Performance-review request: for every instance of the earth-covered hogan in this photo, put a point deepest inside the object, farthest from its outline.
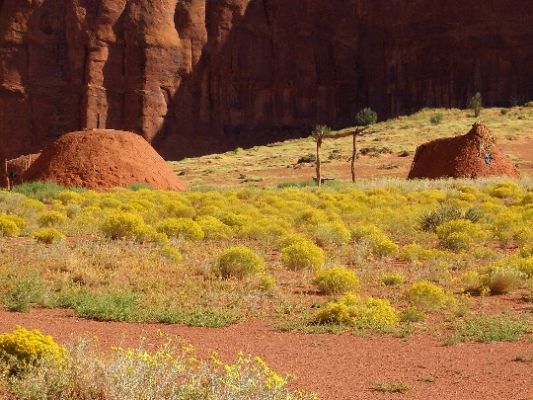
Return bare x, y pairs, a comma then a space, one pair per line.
99, 159
474, 155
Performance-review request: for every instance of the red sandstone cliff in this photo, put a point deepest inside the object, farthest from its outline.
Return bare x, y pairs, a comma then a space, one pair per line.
195, 76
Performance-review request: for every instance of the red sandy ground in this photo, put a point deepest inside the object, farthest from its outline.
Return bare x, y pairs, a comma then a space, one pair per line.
337, 367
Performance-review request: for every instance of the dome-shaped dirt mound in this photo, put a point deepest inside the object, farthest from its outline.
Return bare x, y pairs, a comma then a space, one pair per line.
102, 159
474, 155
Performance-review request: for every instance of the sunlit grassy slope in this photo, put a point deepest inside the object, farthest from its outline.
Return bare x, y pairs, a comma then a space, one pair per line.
278, 162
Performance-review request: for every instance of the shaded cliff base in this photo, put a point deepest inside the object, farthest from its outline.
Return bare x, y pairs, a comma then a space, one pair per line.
388, 151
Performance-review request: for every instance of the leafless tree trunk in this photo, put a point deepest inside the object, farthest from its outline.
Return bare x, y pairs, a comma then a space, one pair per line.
318, 164
354, 154
8, 183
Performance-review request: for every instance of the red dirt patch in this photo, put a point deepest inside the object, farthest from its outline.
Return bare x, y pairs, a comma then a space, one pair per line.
474, 155
337, 367
102, 159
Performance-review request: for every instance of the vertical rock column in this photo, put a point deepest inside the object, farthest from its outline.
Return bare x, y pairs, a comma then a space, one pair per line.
153, 61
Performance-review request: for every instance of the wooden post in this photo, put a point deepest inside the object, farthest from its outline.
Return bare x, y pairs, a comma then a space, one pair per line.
318, 165
354, 155
8, 183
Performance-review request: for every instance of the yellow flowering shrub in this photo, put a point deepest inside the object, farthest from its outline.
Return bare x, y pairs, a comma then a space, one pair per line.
214, 228
427, 296
9, 226
337, 280
47, 235
238, 262
51, 218
353, 311
302, 255
23, 348
181, 227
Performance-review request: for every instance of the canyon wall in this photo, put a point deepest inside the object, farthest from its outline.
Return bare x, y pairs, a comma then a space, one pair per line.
198, 76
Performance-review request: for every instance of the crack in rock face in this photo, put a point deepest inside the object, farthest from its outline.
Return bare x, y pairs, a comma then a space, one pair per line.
199, 76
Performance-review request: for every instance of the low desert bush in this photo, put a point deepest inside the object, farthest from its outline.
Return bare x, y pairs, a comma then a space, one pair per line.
120, 225
503, 280
47, 235
51, 218
337, 280
331, 233
459, 234
23, 349
427, 296
446, 213
488, 329
376, 241
353, 311
22, 292
238, 262
214, 228
302, 255
392, 279
181, 228
8, 226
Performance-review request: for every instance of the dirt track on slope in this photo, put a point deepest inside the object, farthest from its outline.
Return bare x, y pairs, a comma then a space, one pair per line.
337, 367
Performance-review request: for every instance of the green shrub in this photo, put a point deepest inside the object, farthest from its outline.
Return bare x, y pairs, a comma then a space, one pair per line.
23, 348
181, 227
366, 117
337, 280
427, 296
352, 311
47, 235
22, 292
302, 255
476, 104
436, 118
42, 191
446, 213
104, 306
51, 218
412, 314
504, 280
238, 262
392, 279
488, 329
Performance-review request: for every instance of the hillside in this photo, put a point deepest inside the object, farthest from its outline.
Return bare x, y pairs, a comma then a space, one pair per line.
389, 145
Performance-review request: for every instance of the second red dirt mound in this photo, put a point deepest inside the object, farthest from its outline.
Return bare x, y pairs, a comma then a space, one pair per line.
474, 155
102, 159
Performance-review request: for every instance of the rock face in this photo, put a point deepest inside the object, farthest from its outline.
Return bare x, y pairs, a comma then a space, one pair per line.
102, 159
474, 155
197, 76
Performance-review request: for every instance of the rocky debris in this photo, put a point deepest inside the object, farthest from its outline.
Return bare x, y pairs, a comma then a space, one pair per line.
474, 155
202, 76
102, 159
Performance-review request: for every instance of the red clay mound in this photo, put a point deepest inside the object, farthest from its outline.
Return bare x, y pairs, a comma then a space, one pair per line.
102, 159
15, 169
474, 155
